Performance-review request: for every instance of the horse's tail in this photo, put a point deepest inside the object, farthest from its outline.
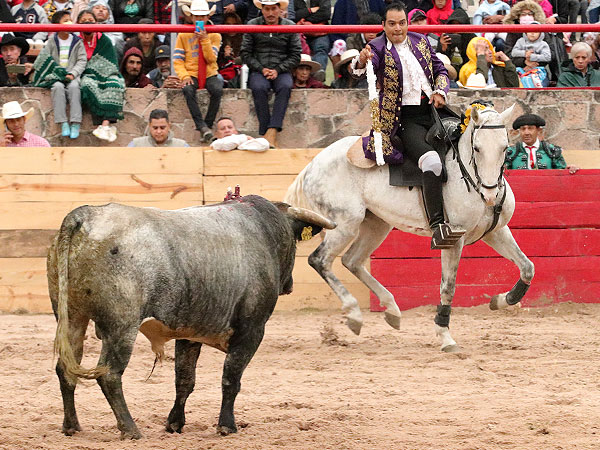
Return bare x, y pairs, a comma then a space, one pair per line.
62, 344
295, 193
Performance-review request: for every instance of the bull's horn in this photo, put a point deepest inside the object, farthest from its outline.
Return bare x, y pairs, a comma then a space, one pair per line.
312, 217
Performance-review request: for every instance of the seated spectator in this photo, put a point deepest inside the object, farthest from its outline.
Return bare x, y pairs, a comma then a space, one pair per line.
303, 74
454, 45
452, 73
531, 152
147, 42
59, 67
593, 40
131, 70
131, 11
14, 70
104, 15
343, 77
358, 41
52, 6
423, 5
547, 7
270, 58
229, 60
533, 49
483, 59
315, 12
492, 12
200, 73
13, 120
102, 86
593, 11
29, 12
159, 132
441, 11
418, 17
161, 76
228, 7
228, 138
579, 72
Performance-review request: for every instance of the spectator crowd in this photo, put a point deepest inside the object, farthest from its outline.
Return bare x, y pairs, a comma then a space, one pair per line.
93, 69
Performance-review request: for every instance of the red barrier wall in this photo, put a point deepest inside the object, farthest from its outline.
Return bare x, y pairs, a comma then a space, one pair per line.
556, 224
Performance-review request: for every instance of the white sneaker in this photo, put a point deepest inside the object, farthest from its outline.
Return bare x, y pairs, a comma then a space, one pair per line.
102, 132
112, 134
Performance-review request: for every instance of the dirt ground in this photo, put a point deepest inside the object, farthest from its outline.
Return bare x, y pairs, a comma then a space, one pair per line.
526, 379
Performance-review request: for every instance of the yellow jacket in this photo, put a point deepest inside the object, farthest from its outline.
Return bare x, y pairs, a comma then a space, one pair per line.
185, 56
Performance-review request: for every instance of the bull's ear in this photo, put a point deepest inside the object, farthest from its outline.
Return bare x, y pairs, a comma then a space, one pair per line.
304, 231
281, 206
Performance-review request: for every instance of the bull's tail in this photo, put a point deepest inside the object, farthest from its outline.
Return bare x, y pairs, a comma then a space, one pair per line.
295, 193
62, 344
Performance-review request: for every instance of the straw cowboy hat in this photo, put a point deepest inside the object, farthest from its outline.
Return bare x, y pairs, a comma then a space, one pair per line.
451, 70
306, 60
475, 81
348, 55
283, 4
13, 110
197, 8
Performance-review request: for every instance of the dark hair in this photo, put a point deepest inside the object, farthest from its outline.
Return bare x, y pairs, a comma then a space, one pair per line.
158, 114
59, 15
145, 21
84, 12
371, 18
224, 118
395, 6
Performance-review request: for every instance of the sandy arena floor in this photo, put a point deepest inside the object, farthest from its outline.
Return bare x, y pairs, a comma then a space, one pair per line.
528, 379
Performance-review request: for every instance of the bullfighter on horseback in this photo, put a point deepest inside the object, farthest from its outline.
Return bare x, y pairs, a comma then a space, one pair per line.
411, 79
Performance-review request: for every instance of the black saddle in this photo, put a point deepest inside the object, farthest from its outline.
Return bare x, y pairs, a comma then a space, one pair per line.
445, 129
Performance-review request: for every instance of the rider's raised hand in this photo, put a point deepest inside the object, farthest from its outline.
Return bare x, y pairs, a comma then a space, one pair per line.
365, 55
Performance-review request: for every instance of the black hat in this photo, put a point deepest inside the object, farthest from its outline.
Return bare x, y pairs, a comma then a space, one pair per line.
164, 51
417, 14
528, 119
11, 39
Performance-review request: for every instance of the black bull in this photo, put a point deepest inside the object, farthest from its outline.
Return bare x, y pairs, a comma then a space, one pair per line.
203, 275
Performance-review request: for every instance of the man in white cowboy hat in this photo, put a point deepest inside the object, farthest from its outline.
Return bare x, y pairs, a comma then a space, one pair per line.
303, 74
13, 50
195, 63
271, 58
12, 122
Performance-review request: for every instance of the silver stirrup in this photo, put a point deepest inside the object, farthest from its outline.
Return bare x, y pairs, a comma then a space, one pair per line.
445, 236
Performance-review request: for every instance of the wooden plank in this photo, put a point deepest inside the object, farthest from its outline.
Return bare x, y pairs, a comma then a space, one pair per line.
533, 242
556, 215
547, 173
272, 162
584, 159
574, 188
272, 187
422, 272
539, 294
100, 188
23, 272
101, 160
49, 215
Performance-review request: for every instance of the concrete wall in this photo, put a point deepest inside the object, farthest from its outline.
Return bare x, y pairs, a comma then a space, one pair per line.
316, 118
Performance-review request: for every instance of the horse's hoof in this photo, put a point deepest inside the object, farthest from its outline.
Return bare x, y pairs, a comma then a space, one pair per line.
393, 321
453, 348
498, 302
354, 325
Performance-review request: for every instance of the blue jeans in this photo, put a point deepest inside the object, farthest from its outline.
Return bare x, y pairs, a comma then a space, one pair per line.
260, 87
319, 46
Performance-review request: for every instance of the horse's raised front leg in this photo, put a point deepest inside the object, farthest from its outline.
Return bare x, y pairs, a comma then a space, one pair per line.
371, 234
504, 243
322, 259
450, 260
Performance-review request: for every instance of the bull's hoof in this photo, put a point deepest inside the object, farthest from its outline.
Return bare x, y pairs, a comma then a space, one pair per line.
131, 434
392, 320
454, 348
354, 325
71, 430
174, 427
224, 430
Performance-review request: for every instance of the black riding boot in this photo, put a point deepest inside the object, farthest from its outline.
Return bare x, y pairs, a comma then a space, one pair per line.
443, 235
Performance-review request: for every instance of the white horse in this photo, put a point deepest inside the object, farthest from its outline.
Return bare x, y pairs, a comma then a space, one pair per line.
365, 208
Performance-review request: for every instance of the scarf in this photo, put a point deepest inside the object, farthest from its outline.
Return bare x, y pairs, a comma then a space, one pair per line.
47, 71
89, 48
102, 86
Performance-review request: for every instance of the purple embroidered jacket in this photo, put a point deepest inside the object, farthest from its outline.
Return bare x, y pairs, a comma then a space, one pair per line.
388, 70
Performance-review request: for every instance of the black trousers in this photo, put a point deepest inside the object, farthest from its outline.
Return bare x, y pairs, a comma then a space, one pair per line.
416, 122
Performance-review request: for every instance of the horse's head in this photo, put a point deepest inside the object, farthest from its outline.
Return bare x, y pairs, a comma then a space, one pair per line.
488, 140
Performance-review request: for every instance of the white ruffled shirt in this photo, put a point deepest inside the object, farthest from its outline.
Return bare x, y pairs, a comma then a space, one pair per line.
240, 142
413, 77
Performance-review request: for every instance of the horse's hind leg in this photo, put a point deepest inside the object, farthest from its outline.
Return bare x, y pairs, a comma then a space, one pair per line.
450, 260
371, 234
504, 243
322, 259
